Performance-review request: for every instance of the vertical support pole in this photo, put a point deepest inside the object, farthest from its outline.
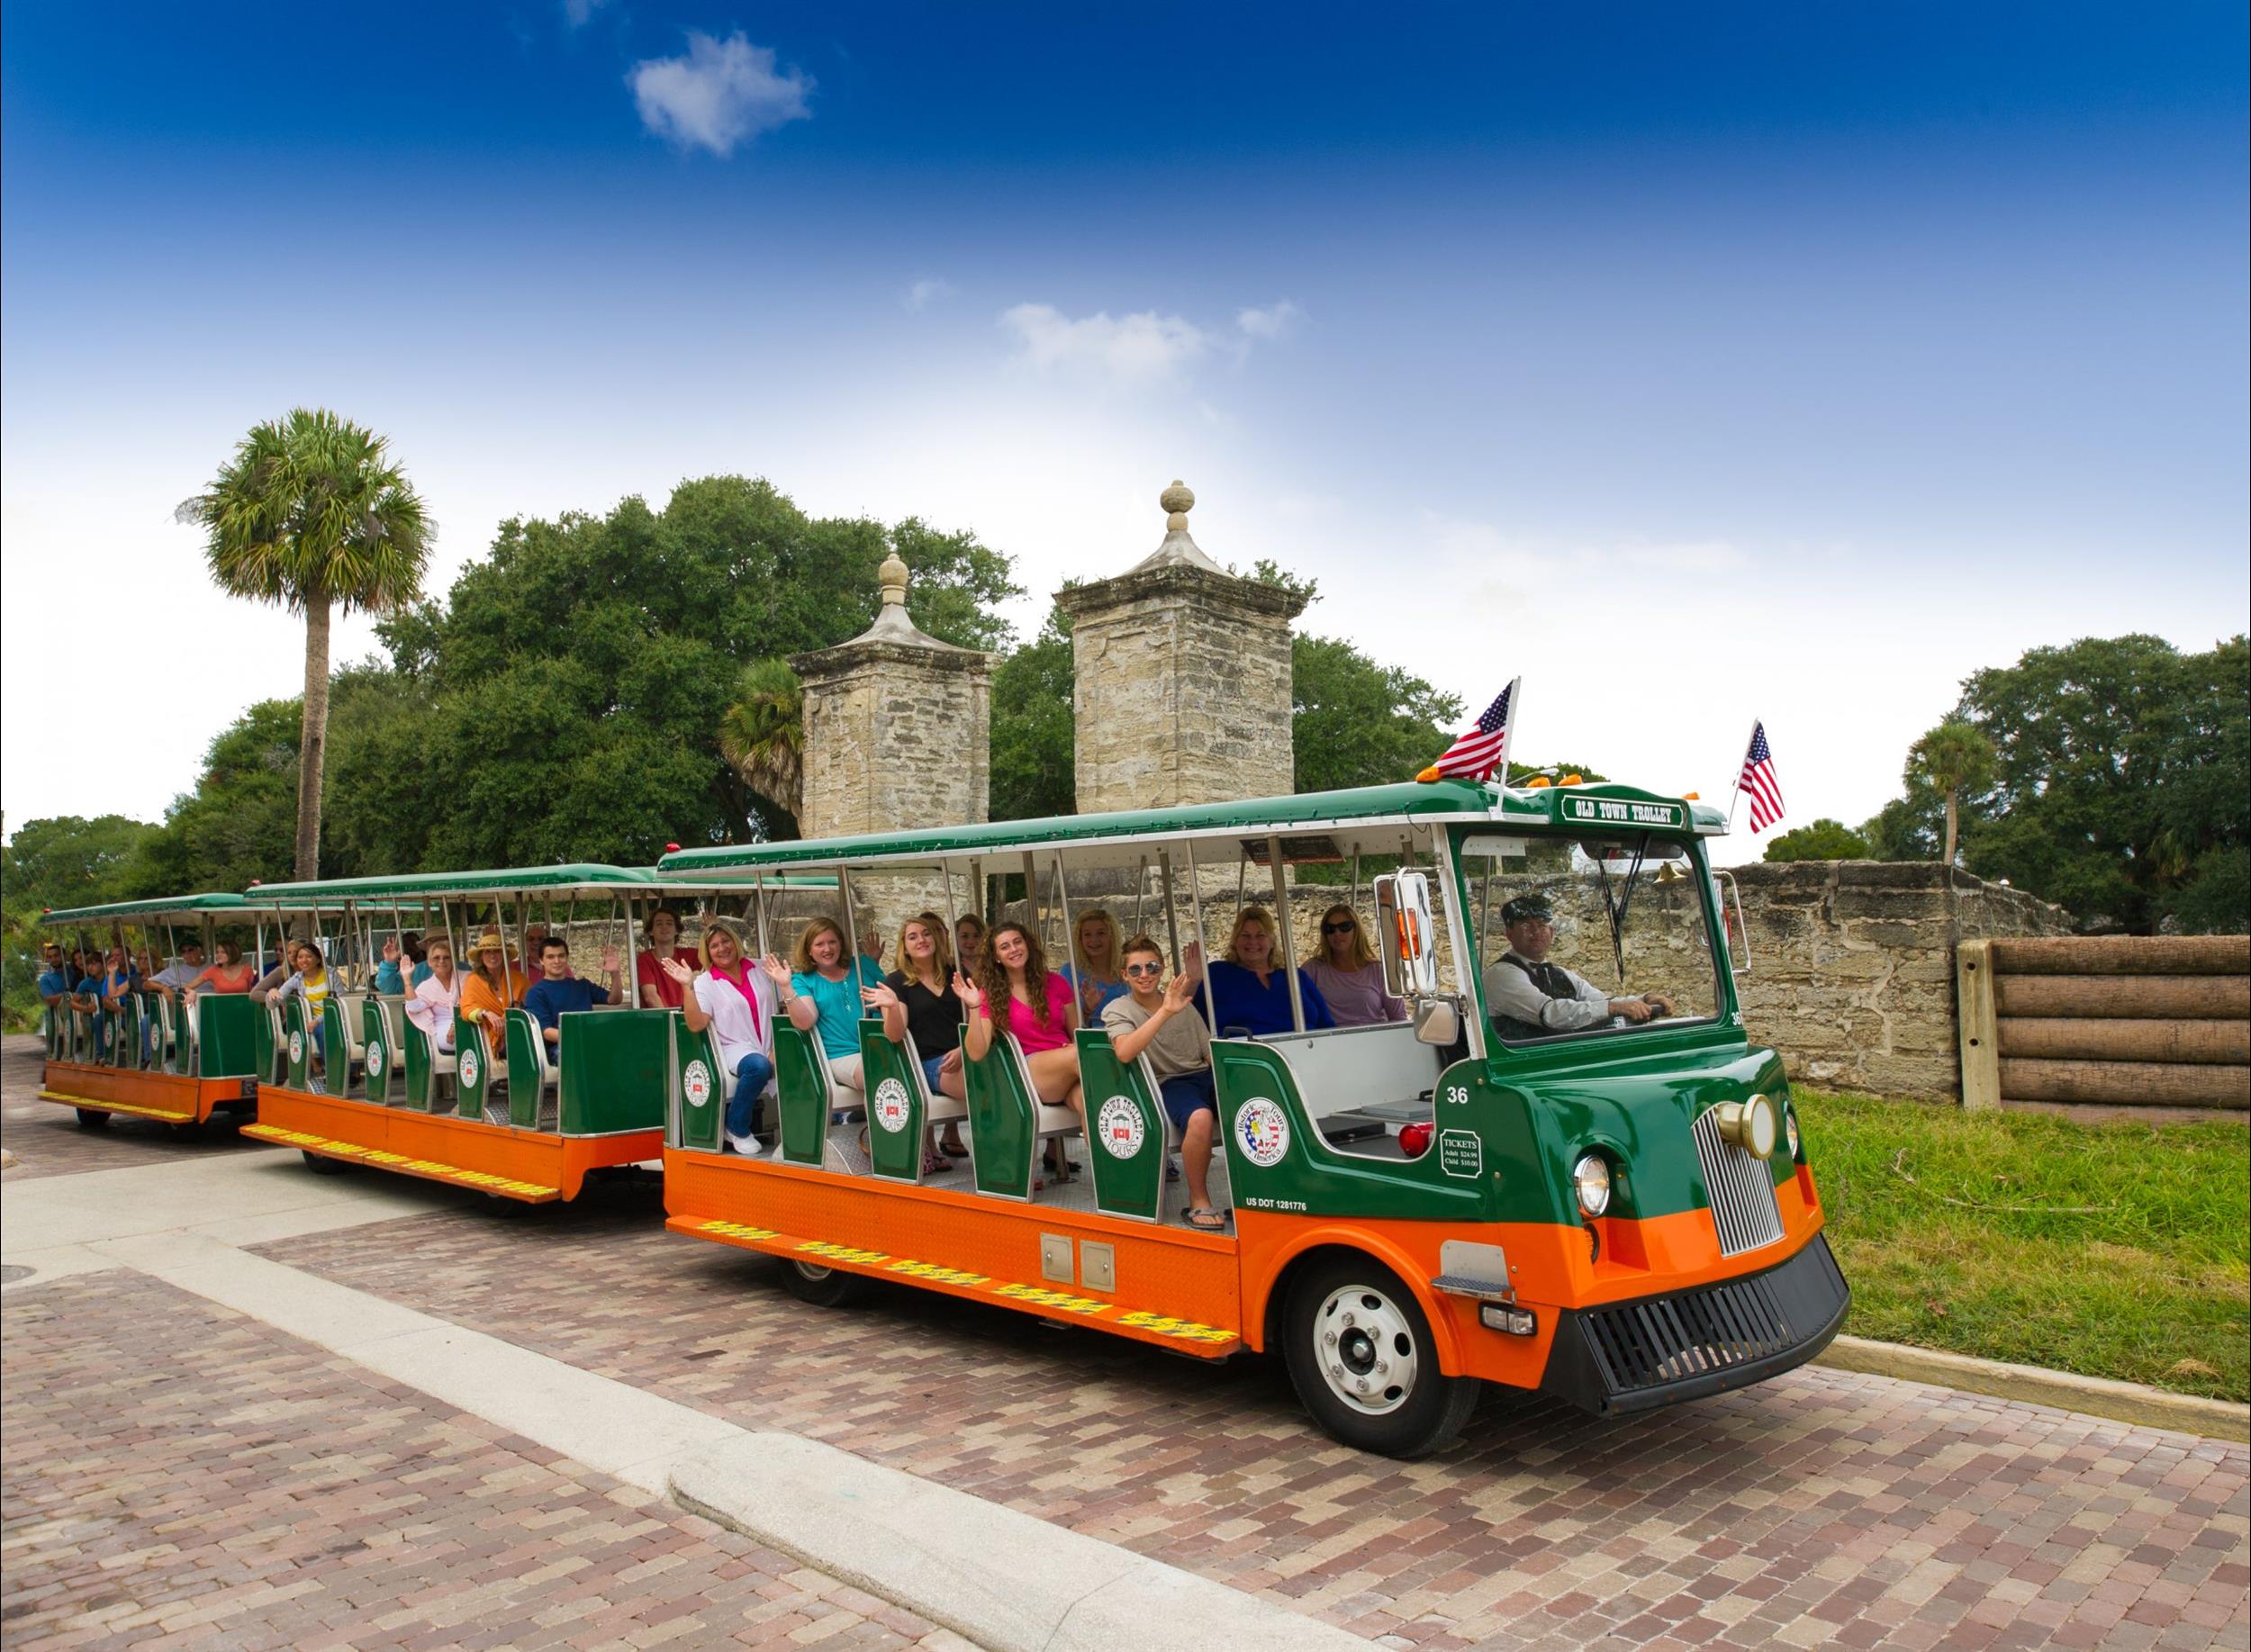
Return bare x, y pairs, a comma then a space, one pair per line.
1196, 917
1283, 926
1980, 1025
758, 896
1172, 917
1032, 893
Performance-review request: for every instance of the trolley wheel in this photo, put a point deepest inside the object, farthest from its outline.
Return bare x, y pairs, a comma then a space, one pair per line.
187, 1131
824, 1287
320, 1164
92, 1118
500, 1205
1363, 1362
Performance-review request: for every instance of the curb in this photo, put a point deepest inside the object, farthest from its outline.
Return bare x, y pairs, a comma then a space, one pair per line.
2094, 1397
1007, 1580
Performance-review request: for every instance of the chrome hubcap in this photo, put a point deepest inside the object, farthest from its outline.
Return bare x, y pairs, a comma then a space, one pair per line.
812, 1271
1366, 1350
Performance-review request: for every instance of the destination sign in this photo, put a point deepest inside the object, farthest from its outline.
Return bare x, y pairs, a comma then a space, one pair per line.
1617, 812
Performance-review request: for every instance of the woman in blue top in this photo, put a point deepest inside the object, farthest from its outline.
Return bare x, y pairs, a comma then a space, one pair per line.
823, 995
1250, 995
1093, 971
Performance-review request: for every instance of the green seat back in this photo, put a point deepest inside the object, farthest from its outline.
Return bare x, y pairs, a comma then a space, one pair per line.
227, 1041
700, 1086
1125, 1145
524, 1051
182, 1033
1002, 1122
422, 1067
898, 1103
801, 1080
335, 1046
297, 1043
473, 1068
612, 1070
375, 1040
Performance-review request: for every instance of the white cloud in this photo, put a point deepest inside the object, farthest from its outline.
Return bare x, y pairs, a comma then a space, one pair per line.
1269, 322
1134, 349
577, 13
926, 293
721, 93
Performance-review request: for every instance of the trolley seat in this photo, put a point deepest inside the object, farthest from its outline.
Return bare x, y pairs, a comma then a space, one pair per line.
1131, 1137
1007, 1121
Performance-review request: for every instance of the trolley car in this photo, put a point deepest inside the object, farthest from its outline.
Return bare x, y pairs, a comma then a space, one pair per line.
1621, 1215
154, 1056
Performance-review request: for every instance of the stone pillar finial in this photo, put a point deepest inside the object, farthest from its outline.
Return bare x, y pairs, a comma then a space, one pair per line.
892, 576
1178, 501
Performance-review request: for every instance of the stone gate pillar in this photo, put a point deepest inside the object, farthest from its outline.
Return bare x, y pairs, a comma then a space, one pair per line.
1183, 670
897, 726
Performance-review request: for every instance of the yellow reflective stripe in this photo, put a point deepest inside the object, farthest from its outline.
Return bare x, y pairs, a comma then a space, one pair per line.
431, 1168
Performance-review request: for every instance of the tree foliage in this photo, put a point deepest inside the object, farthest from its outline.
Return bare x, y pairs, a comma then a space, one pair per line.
50, 864
1824, 840
1034, 725
1356, 723
763, 733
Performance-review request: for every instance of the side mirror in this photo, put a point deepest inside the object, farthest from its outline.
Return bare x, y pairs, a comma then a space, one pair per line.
1403, 922
1437, 1022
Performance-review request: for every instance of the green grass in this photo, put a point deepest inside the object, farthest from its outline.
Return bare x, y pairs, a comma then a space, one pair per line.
2114, 1250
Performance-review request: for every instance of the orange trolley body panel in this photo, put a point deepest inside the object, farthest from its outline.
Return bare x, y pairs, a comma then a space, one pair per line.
1172, 1286
176, 1098
534, 1166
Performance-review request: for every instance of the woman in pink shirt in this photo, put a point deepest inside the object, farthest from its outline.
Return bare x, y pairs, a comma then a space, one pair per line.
1040, 1010
430, 1004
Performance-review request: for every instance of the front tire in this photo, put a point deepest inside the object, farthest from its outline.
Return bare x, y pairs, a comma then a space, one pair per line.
824, 1287
1362, 1360
92, 1118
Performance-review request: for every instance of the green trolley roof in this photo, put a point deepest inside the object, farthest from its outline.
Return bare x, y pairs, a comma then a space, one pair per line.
1413, 802
578, 876
167, 906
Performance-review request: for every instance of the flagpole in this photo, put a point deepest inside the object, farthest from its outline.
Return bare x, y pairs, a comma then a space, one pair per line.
1739, 762
1509, 729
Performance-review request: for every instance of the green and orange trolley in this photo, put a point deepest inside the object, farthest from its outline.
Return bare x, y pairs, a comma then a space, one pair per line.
1623, 1217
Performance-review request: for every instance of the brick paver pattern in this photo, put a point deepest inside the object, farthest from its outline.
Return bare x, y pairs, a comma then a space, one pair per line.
47, 1139
1821, 1506
176, 1474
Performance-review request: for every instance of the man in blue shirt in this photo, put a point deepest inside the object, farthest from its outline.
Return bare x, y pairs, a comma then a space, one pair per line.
54, 976
558, 992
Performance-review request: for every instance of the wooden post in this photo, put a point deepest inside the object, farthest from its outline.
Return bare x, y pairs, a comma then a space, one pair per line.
1980, 1034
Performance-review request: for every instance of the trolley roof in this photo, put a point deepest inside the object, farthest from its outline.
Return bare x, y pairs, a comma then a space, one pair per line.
1365, 811
577, 878
166, 906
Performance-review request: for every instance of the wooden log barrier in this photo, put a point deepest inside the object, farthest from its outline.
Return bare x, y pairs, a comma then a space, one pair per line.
2115, 1021
2128, 1084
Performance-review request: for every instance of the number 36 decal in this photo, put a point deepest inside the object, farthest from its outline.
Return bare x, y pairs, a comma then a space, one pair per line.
1456, 1095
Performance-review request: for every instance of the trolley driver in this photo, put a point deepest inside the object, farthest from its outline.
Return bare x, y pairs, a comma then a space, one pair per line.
1531, 997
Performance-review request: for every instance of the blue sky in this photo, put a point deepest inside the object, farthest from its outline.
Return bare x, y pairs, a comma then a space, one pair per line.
1693, 362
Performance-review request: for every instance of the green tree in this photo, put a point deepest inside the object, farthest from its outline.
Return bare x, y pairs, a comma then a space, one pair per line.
1356, 723
1033, 727
2215, 901
1952, 758
48, 865
310, 512
763, 733
1824, 840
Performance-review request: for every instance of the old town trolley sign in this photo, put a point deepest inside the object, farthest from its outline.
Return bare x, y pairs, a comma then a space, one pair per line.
1616, 1208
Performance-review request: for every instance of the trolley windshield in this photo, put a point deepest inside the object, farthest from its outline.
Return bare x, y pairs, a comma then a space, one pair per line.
1585, 936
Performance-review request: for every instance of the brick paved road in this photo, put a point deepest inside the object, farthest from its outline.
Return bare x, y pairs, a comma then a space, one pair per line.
178, 1474
47, 1140
1823, 1506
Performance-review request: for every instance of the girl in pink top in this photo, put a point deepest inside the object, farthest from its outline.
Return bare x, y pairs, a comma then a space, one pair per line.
1041, 1011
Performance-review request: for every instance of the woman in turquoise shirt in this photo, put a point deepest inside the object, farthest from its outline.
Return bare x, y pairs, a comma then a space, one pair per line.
823, 995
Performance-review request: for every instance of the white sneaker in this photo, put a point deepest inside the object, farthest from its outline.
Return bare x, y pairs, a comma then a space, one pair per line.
747, 1146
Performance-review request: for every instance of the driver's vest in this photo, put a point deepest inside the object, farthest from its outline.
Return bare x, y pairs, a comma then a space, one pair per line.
1551, 981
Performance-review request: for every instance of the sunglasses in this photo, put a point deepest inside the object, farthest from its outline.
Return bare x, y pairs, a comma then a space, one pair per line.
1144, 968
1345, 928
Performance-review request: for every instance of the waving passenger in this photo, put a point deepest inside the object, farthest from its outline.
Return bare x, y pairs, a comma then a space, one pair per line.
736, 1004
1037, 1008
1349, 975
308, 980
431, 1007
918, 997
1250, 995
558, 992
821, 996
1159, 1021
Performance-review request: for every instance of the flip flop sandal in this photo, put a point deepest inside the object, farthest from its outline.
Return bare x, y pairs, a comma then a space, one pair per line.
954, 1152
1204, 1219
936, 1164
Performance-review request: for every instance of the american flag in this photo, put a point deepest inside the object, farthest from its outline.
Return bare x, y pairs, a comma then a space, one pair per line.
1758, 778
1480, 750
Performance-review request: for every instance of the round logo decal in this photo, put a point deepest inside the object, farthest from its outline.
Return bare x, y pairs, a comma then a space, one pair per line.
695, 1083
375, 1057
1263, 1132
891, 1106
469, 1067
1118, 1124
296, 1046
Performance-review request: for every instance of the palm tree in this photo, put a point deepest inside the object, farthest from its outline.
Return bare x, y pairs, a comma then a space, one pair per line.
763, 733
310, 512
1952, 758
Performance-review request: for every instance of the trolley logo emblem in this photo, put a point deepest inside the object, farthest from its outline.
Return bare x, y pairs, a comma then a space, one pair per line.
1263, 1132
890, 1107
296, 1046
695, 1083
1119, 1125
467, 1066
375, 1056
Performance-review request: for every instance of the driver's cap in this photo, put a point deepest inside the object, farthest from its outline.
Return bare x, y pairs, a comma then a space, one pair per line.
1524, 907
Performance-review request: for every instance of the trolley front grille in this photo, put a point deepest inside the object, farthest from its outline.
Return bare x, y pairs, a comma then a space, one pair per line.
1739, 1188
1672, 1339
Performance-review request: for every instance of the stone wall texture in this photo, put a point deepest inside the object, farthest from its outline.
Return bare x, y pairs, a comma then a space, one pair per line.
1852, 967
1183, 690
896, 738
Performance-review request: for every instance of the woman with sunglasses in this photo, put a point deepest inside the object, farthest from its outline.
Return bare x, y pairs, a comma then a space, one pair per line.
1349, 975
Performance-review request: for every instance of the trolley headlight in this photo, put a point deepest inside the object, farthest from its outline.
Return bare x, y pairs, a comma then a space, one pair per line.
1790, 1133
1591, 1176
1750, 1125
